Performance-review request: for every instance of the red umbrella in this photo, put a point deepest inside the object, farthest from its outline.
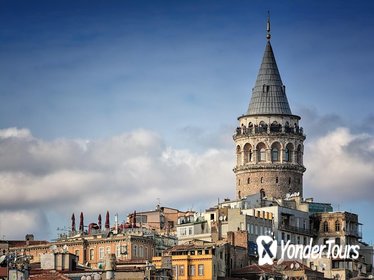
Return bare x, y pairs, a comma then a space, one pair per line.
72, 223
81, 227
107, 224
99, 219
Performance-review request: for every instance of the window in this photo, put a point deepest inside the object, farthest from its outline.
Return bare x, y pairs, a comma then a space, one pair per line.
92, 254
108, 251
337, 241
262, 154
325, 226
248, 180
141, 251
181, 270
276, 180
182, 231
201, 269
101, 253
337, 226
135, 251
247, 153
191, 270
262, 180
275, 154
146, 252
118, 250
77, 253
190, 231
286, 154
289, 180
174, 271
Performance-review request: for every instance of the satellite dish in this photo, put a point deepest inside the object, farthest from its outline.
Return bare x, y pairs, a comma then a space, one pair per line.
2, 258
221, 218
65, 248
297, 266
96, 276
292, 265
337, 276
314, 267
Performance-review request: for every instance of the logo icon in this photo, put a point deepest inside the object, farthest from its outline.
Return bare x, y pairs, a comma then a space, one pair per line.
267, 249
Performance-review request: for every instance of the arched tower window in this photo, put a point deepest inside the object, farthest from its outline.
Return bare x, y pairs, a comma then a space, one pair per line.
325, 226
299, 155
275, 127
238, 155
263, 127
287, 128
247, 153
250, 127
261, 150
288, 152
262, 193
275, 149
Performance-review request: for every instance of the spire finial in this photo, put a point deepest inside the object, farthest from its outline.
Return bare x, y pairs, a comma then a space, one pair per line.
268, 36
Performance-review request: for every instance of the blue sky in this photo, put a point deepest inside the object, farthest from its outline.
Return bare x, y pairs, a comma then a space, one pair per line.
81, 79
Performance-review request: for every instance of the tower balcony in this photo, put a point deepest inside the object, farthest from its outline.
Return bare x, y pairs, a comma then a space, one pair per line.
265, 130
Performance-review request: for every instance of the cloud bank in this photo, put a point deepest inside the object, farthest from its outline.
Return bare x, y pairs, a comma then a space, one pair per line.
43, 182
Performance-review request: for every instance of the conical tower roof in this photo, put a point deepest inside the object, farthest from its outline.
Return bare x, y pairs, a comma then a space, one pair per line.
269, 94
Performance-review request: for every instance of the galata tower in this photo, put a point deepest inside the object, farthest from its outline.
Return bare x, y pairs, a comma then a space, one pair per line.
269, 140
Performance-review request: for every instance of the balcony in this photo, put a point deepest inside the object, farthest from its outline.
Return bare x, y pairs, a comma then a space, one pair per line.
295, 229
264, 130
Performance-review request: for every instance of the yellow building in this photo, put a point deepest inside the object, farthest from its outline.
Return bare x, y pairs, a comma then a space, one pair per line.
198, 260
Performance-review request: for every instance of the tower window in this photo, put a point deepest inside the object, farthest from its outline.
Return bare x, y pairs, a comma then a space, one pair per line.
276, 180
262, 154
239, 182
289, 180
274, 154
287, 155
248, 180
262, 179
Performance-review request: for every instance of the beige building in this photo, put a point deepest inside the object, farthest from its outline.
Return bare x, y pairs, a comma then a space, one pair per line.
162, 219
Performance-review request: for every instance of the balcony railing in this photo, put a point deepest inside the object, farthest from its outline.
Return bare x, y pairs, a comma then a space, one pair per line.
295, 229
248, 131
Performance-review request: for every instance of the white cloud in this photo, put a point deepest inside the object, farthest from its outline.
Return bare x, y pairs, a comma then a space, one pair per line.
340, 166
15, 133
123, 173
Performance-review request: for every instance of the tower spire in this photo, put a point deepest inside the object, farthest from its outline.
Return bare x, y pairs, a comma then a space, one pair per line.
268, 36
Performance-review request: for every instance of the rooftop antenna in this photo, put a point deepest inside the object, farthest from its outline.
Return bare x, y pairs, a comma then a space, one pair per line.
268, 36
